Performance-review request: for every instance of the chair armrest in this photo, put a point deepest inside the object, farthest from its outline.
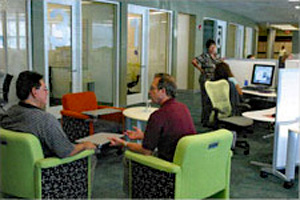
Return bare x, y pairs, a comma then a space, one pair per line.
53, 162
153, 162
244, 106
74, 114
217, 111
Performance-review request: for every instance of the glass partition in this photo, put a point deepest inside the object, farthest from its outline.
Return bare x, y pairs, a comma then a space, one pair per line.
99, 49
59, 51
134, 53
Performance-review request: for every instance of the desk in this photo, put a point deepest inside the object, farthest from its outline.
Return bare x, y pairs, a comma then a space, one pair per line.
264, 116
261, 115
141, 114
260, 94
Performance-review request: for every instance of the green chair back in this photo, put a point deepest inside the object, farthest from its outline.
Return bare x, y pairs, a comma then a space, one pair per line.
205, 164
18, 154
219, 95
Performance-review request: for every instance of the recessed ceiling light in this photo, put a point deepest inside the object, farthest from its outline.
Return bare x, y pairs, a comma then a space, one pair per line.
297, 7
294, 0
285, 27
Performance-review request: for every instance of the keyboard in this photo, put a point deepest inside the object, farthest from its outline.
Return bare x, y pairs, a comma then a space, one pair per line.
258, 89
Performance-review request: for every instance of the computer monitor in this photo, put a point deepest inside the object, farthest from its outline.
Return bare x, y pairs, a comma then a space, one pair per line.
262, 75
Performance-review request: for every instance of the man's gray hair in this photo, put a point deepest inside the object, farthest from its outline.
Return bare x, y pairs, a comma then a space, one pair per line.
168, 82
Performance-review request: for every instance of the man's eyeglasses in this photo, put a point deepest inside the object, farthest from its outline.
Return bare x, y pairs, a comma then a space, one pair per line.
45, 89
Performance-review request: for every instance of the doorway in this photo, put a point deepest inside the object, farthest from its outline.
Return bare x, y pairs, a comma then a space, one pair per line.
100, 48
185, 51
149, 45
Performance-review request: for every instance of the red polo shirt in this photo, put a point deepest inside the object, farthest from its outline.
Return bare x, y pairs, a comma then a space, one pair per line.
166, 126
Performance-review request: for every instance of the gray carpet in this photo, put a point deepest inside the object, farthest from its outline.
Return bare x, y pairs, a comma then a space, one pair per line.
245, 179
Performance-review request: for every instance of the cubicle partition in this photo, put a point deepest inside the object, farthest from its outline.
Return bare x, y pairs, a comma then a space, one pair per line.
292, 64
287, 114
242, 69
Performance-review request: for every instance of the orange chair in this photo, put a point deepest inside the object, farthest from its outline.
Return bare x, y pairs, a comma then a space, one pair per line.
77, 125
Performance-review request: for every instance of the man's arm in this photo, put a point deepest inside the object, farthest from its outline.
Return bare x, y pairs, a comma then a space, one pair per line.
82, 146
197, 65
130, 145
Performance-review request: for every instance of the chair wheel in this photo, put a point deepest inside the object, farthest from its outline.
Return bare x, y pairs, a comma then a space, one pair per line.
263, 174
246, 152
288, 185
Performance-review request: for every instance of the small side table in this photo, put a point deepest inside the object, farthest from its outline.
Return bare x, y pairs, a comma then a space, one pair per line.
140, 114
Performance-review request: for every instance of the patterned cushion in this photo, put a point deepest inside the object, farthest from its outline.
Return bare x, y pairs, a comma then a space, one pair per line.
75, 128
66, 181
151, 183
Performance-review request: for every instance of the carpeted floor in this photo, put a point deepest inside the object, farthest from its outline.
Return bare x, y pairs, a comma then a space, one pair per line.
245, 179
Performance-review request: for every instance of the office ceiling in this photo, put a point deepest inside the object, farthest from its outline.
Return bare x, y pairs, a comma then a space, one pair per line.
261, 11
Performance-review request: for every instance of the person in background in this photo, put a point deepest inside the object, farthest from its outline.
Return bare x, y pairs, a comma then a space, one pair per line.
29, 116
282, 60
222, 68
250, 56
206, 64
282, 51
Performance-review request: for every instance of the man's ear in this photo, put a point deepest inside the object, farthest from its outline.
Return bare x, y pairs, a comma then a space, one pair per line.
33, 92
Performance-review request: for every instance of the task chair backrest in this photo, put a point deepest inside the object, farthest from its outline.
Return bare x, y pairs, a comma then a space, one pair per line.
18, 154
219, 95
204, 160
7, 78
78, 102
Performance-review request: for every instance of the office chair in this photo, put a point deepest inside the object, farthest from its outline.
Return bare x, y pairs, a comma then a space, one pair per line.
133, 84
226, 109
200, 169
5, 90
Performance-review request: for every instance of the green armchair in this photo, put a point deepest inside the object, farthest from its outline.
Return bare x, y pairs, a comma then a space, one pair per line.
26, 173
200, 169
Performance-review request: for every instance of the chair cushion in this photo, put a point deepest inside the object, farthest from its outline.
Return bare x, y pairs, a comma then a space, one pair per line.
238, 121
79, 102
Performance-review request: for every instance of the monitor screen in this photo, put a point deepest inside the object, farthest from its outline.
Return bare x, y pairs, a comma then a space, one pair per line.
262, 74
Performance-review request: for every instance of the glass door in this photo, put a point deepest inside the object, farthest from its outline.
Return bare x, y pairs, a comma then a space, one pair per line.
100, 49
60, 37
137, 32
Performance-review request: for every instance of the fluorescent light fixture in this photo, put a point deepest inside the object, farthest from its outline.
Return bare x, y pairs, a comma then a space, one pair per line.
285, 27
294, 0
86, 2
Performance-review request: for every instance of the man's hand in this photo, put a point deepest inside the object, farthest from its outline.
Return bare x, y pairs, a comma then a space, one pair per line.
115, 141
135, 135
89, 145
81, 147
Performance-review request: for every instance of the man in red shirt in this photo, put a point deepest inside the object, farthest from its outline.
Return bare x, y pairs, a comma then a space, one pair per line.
165, 126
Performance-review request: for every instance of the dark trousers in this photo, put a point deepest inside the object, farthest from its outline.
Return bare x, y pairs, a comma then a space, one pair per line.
205, 102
